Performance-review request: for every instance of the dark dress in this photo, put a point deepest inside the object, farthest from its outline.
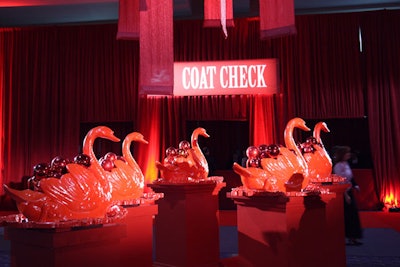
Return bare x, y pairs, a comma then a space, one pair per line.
352, 222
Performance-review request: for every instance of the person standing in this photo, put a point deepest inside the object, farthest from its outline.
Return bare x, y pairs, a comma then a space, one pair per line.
341, 167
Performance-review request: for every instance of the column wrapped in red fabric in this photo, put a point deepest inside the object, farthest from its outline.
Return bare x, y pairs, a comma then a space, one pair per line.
156, 48
218, 13
276, 18
128, 20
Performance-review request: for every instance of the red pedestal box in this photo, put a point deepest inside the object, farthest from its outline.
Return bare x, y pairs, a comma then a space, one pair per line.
186, 227
80, 247
277, 230
335, 219
136, 248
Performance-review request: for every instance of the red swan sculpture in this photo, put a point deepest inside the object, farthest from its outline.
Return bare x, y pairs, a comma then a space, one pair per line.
186, 163
82, 192
197, 155
127, 179
289, 168
318, 160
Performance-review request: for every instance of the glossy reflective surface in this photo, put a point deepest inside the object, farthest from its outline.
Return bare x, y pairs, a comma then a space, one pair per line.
88, 192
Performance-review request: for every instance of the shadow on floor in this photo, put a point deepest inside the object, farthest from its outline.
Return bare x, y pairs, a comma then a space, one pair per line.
381, 247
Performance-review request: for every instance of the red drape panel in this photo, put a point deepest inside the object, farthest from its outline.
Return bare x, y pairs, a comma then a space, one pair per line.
156, 48
276, 18
128, 20
262, 117
149, 119
218, 13
381, 42
213, 13
2, 107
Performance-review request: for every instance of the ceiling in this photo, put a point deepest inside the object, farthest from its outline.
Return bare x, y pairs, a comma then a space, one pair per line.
42, 12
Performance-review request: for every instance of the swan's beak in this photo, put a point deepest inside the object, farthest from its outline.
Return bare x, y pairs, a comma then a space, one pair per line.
106, 132
141, 139
113, 138
325, 128
200, 131
302, 125
144, 141
298, 123
305, 128
205, 134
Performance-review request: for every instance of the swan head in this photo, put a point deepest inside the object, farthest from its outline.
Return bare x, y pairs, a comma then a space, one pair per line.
103, 132
288, 133
200, 131
138, 137
298, 123
323, 126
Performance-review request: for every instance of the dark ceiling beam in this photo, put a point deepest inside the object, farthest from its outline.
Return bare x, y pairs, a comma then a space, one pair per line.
347, 8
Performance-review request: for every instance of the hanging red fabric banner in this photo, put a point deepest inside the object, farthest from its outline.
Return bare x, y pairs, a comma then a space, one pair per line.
128, 20
218, 13
276, 18
156, 48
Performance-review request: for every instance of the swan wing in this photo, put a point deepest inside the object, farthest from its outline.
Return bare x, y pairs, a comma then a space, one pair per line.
127, 182
319, 163
283, 167
78, 190
254, 178
26, 195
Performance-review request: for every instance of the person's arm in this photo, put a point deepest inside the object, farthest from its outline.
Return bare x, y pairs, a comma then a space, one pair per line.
354, 184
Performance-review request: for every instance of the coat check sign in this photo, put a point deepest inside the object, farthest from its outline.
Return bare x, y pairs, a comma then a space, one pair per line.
258, 76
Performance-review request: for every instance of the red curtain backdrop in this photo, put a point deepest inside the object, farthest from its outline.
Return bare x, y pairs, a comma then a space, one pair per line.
328, 82
51, 83
381, 52
57, 78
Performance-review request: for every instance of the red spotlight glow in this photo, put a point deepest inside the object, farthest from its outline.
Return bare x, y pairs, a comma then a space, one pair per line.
391, 202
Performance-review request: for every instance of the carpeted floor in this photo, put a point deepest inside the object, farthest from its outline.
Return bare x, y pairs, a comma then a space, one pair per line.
381, 242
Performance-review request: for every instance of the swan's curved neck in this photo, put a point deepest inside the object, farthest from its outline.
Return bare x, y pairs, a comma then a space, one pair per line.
126, 148
317, 133
290, 142
195, 140
88, 147
88, 150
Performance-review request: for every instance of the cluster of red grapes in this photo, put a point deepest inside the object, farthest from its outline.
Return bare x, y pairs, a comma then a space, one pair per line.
108, 160
58, 166
308, 145
173, 153
255, 154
